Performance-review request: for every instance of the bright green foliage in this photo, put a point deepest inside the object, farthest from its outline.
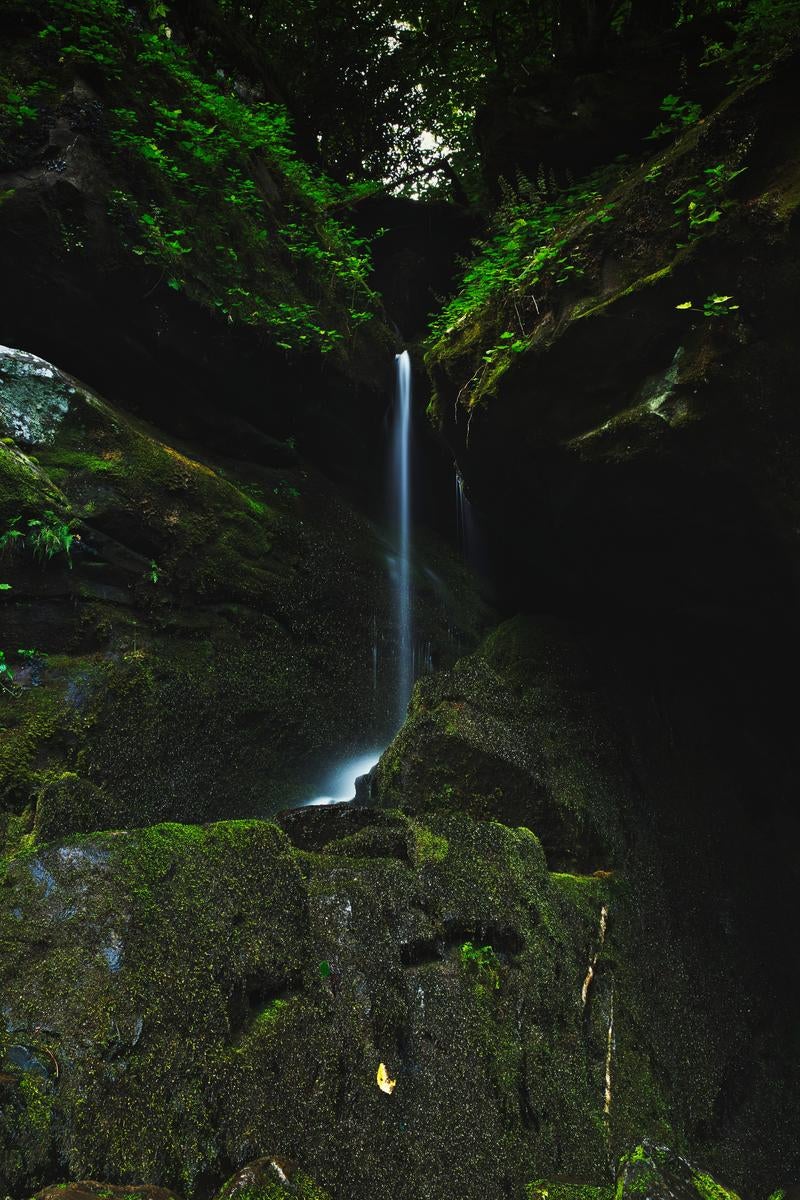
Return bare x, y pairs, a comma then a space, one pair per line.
47, 535
217, 197
542, 1189
718, 306
83, 30
481, 961
714, 305
677, 114
19, 103
6, 674
759, 30
702, 204
527, 241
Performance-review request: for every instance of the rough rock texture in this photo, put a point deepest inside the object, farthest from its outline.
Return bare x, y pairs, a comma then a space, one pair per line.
191, 630
635, 454
516, 732
677, 750
90, 1189
655, 1171
215, 633
507, 1002
634, 460
270, 1179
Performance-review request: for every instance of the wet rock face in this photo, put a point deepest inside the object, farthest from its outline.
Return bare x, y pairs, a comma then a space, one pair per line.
180, 1001
639, 757
153, 1058
274, 1178
193, 628
89, 1189
34, 397
641, 456
658, 1172
517, 733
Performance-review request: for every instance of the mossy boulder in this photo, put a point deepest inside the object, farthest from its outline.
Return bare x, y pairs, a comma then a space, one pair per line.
660, 1174
484, 984
635, 760
104, 1016
189, 636
90, 1189
516, 731
273, 1178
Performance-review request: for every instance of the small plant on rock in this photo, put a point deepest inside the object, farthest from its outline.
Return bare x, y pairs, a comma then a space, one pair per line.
678, 114
714, 305
482, 962
46, 535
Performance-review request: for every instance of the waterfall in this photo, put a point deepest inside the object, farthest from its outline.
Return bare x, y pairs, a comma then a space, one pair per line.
339, 782
401, 497
464, 519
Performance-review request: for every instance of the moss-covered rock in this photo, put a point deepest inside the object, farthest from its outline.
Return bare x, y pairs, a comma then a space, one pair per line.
189, 637
270, 1179
516, 732
89, 1189
661, 1174
638, 450
506, 1003
121, 1010
646, 787
649, 1170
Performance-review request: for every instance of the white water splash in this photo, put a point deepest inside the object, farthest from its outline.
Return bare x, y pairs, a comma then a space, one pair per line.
341, 783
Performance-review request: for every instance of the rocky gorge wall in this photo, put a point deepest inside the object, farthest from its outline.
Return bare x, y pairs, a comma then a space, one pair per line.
552, 956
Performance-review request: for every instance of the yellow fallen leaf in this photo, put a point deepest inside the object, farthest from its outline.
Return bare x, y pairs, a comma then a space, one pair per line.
384, 1082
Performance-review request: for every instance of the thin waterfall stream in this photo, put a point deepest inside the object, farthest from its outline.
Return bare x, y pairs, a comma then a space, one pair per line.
401, 493
340, 784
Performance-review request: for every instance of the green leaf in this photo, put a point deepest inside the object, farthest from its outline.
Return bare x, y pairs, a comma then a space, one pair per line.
686, 304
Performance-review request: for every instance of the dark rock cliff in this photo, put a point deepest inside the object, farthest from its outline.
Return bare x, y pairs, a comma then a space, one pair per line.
559, 939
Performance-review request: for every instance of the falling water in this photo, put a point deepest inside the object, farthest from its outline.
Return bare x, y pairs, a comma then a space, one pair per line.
464, 519
469, 535
340, 782
401, 494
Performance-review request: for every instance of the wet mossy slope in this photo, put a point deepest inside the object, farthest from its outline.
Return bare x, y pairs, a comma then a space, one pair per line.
135, 1053
183, 639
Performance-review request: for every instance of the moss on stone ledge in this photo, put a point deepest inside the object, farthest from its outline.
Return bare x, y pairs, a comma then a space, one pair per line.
169, 1015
